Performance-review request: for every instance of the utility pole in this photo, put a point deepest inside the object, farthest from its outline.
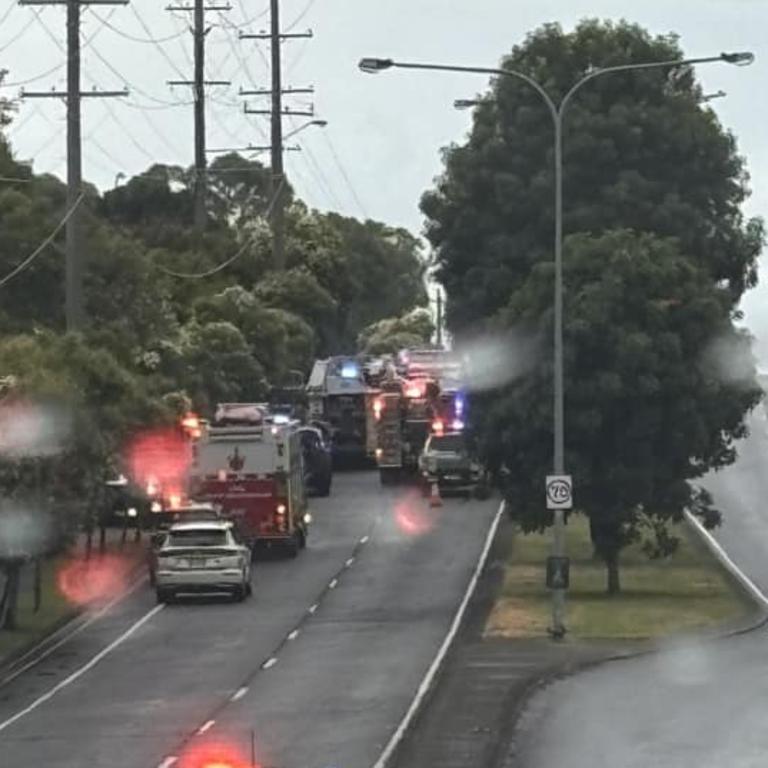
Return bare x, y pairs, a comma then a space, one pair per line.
277, 112
74, 305
199, 83
439, 337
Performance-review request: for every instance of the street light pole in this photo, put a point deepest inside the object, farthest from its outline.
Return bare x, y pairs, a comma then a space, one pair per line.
557, 111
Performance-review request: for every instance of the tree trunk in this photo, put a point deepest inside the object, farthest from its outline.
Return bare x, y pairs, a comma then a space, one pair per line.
38, 585
10, 600
612, 567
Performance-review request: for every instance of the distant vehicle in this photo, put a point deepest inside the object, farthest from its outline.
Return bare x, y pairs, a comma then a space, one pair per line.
202, 556
250, 465
446, 460
318, 463
338, 394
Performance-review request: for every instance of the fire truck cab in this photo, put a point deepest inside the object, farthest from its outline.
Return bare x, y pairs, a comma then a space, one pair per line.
251, 468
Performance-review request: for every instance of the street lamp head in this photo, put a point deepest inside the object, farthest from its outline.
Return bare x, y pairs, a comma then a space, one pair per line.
372, 66
465, 103
319, 123
741, 58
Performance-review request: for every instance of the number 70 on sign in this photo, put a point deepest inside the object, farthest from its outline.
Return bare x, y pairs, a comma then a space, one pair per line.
559, 492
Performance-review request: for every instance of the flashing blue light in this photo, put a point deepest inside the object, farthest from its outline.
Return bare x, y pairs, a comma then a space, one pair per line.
458, 405
281, 418
350, 371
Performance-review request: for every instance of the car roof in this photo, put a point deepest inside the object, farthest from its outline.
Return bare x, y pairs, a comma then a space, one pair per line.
202, 525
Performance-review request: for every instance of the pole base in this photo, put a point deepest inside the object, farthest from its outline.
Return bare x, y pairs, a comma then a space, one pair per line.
557, 633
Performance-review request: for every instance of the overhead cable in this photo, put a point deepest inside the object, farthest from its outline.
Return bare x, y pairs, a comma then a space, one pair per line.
40, 248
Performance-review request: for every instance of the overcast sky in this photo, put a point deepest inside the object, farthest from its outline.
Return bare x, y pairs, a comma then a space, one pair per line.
380, 150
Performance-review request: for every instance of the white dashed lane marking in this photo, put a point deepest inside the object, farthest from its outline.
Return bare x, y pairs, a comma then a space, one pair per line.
313, 608
293, 634
333, 584
349, 562
364, 540
207, 727
168, 762
240, 693
269, 663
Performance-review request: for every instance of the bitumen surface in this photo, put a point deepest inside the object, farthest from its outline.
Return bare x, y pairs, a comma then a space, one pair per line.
316, 670
696, 704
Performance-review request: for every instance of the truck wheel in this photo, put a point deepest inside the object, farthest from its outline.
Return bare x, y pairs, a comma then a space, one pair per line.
292, 547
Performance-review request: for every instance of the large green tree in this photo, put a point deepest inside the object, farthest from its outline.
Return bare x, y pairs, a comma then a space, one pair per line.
640, 150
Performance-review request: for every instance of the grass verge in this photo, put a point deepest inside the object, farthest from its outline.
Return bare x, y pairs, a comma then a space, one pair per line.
32, 627
688, 591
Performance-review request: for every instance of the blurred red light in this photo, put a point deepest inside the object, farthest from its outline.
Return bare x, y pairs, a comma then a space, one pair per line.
214, 756
161, 457
82, 581
438, 427
190, 422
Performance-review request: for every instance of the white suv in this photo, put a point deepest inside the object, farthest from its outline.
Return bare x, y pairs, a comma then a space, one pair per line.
203, 556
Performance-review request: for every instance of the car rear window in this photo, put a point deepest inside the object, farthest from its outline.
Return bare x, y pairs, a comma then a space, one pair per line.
454, 443
201, 538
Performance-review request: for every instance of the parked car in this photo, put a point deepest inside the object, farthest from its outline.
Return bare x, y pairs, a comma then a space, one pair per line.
203, 556
318, 461
446, 460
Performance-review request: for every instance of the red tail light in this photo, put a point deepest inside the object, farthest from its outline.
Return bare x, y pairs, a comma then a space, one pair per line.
438, 427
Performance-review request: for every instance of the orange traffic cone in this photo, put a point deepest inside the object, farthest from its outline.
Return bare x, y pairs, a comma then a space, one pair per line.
434, 496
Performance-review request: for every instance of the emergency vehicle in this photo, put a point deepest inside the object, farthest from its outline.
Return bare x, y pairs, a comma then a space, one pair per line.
339, 395
410, 406
250, 465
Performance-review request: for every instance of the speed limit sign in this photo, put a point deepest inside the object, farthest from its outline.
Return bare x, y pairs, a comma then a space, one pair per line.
559, 492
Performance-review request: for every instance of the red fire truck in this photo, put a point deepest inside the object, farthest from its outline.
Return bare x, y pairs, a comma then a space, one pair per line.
251, 468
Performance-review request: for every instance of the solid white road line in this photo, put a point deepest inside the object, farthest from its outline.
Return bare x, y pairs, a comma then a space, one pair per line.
37, 658
168, 762
269, 663
333, 584
313, 608
82, 670
205, 727
293, 634
429, 677
722, 555
349, 562
240, 693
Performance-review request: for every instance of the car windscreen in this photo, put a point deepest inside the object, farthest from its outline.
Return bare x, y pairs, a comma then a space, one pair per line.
198, 538
452, 443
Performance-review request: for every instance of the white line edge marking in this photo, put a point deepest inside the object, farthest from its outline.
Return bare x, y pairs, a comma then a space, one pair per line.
82, 670
67, 637
168, 762
722, 555
313, 608
239, 693
269, 663
205, 727
364, 540
293, 634
333, 584
429, 677
349, 562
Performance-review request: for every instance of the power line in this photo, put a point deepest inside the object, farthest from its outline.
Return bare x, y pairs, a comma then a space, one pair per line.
7, 13
159, 47
133, 38
299, 18
232, 259
40, 248
345, 176
29, 23
32, 79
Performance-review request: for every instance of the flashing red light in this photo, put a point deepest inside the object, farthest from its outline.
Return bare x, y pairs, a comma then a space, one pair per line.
213, 756
378, 407
415, 390
191, 422
161, 457
174, 500
438, 427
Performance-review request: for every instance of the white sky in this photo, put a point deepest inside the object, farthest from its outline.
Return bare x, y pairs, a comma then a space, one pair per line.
386, 130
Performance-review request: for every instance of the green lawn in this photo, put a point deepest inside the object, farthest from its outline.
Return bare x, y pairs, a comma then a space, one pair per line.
34, 626
659, 597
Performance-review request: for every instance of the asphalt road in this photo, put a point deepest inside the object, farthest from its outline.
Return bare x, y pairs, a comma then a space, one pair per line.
699, 705
318, 668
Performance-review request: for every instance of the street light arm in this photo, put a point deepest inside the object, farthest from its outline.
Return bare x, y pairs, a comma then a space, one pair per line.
484, 71
740, 58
